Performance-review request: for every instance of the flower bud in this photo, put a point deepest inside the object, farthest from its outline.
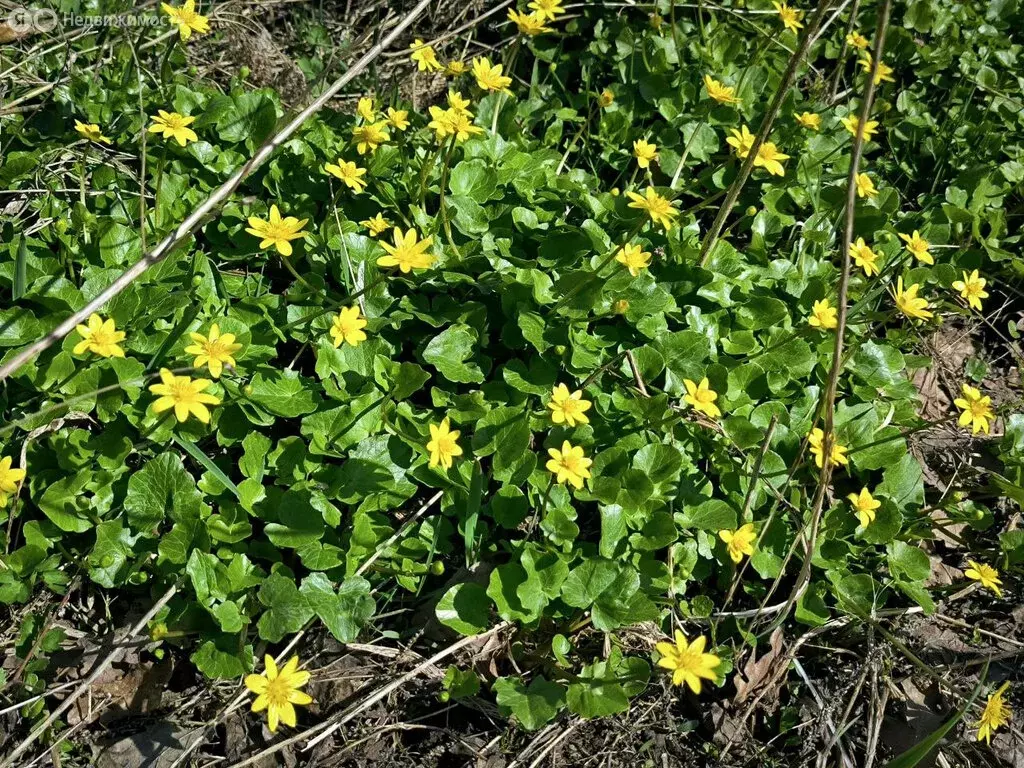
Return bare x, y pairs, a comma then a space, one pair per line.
621, 307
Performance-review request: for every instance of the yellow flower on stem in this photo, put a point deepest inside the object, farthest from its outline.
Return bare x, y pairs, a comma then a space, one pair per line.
348, 327
720, 92
488, 76
808, 120
606, 98
365, 109
408, 252
452, 122
377, 225
857, 40
459, 103
443, 447
739, 542
688, 662
865, 186
186, 19
349, 173
100, 337
659, 208
645, 153
864, 257
986, 575
10, 477
214, 351
633, 258
529, 24
837, 454
173, 126
455, 68
398, 118
702, 397
547, 9
852, 124
92, 132
742, 141
277, 231
790, 17
278, 692
909, 303
569, 465
977, 409
185, 395
918, 246
368, 137
864, 504
568, 407
769, 158
995, 715
823, 315
424, 56
972, 288
884, 70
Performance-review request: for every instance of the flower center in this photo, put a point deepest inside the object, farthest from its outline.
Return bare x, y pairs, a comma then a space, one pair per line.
181, 391
571, 464
445, 444
277, 692
978, 408
102, 338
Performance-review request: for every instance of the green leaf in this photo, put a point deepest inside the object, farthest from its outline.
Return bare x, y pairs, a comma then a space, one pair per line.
465, 608
906, 560
533, 706
111, 553
162, 489
344, 612
449, 351
711, 515
473, 179
287, 611
223, 659
193, 450
65, 504
284, 393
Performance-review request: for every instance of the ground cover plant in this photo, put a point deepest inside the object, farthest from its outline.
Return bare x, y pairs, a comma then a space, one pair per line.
620, 358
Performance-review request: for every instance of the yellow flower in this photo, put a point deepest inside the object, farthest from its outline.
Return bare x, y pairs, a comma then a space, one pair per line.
909, 303
186, 19
568, 407
986, 575
720, 92
529, 23
606, 98
809, 120
398, 118
455, 68
369, 137
348, 327
851, 123
278, 231
837, 455
349, 173
972, 288
458, 103
864, 504
214, 351
645, 153
277, 692
9, 480
977, 409
407, 254
918, 246
823, 315
443, 446
185, 395
739, 542
864, 257
884, 70
92, 132
659, 208
790, 16
857, 40
742, 141
100, 337
702, 397
547, 9
425, 56
569, 464
688, 662
865, 186
995, 715
633, 258
376, 225
488, 76
769, 158
452, 122
173, 126
365, 109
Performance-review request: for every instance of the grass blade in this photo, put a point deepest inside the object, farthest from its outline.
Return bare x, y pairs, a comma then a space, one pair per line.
193, 450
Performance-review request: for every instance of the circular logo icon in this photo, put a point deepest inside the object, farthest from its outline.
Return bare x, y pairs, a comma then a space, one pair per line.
46, 20
20, 20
